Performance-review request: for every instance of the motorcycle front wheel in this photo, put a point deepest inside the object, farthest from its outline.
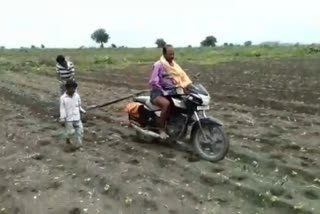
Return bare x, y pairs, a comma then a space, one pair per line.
210, 142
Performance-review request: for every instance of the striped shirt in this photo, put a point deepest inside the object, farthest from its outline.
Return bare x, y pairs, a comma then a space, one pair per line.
65, 73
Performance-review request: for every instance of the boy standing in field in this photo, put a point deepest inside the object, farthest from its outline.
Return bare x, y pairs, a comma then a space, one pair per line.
65, 71
70, 107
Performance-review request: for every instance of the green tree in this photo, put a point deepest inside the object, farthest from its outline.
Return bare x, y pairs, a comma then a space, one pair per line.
33, 47
210, 41
160, 43
225, 44
42, 46
100, 36
113, 46
248, 43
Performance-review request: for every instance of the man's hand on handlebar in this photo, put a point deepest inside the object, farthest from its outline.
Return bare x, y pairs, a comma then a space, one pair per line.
187, 89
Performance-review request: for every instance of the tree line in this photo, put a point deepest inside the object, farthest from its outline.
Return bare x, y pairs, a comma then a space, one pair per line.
101, 37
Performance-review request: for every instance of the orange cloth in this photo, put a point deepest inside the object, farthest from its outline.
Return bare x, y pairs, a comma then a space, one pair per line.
181, 78
133, 109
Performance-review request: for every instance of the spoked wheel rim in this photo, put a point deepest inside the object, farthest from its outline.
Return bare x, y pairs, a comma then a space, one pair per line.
211, 141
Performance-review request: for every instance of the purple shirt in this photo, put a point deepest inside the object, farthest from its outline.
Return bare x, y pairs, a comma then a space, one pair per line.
160, 79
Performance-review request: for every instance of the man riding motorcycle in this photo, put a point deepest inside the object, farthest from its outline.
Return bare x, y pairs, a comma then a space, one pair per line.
166, 77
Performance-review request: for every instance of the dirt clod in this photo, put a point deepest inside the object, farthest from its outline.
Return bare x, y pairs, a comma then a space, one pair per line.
75, 211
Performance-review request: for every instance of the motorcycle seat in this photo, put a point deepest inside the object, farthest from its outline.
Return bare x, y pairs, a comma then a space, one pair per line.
146, 101
141, 99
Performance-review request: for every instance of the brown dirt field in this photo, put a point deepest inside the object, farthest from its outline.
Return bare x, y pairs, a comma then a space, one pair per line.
270, 109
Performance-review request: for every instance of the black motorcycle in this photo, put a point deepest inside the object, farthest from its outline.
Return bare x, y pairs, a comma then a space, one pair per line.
187, 116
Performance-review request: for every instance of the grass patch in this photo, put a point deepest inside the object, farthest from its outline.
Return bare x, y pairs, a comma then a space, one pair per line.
92, 60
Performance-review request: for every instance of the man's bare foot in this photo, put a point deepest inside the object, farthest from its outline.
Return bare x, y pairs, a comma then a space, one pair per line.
163, 135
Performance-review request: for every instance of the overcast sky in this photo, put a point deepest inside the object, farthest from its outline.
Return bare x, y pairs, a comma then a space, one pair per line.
136, 23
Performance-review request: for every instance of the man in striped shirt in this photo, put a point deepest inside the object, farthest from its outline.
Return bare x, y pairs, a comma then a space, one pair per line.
65, 71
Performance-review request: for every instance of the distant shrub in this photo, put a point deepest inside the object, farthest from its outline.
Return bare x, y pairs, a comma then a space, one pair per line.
270, 44
209, 41
29, 63
100, 36
160, 43
225, 44
33, 47
46, 61
42, 46
146, 59
113, 46
76, 61
248, 43
22, 49
110, 61
313, 50
4, 61
314, 45
256, 53
105, 59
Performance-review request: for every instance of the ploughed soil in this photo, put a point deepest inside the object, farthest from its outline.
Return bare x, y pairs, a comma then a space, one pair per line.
270, 110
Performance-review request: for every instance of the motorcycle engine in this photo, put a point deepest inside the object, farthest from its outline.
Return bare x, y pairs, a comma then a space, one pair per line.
176, 126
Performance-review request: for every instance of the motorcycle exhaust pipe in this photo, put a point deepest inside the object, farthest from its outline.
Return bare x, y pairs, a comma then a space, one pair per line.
148, 133
145, 132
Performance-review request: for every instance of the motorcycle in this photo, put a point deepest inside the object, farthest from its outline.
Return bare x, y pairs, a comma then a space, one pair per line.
187, 116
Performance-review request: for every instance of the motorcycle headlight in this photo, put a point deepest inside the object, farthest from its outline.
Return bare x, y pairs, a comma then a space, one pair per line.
205, 100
